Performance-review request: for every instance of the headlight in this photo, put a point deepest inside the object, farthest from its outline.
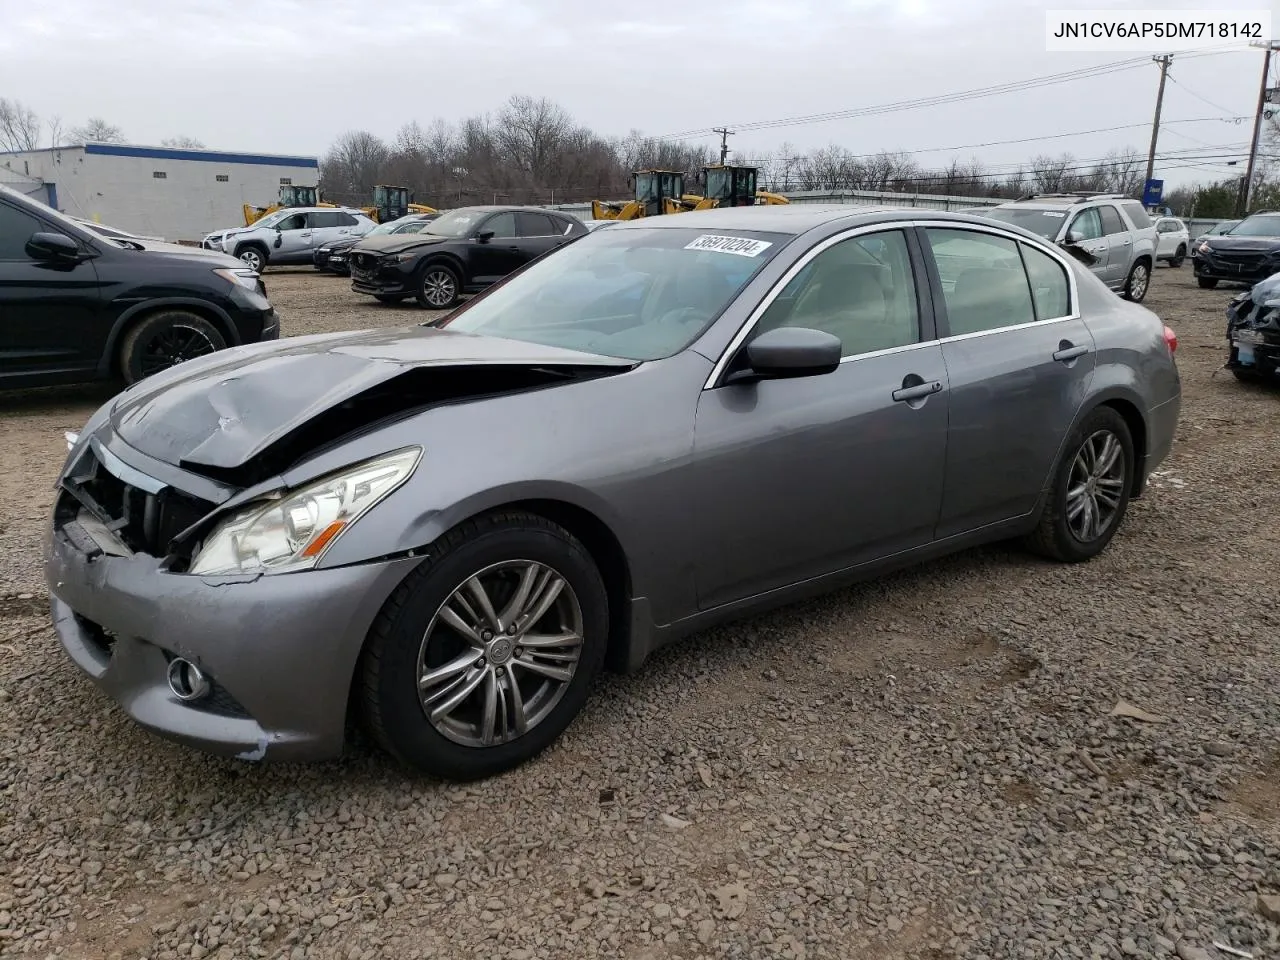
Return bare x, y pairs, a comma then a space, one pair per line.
293, 532
244, 277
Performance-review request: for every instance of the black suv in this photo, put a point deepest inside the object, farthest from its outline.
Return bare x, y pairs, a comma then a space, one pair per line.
462, 251
76, 305
1248, 254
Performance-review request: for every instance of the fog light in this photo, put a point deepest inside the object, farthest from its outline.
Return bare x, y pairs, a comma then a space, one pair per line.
187, 681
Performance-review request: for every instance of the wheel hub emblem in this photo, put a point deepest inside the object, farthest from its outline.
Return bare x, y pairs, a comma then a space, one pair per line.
500, 651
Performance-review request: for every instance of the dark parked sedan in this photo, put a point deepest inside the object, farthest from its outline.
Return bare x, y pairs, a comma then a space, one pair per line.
1248, 254
452, 528
77, 305
333, 257
463, 251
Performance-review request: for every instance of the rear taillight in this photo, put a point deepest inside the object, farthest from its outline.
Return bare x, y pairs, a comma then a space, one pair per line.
1170, 340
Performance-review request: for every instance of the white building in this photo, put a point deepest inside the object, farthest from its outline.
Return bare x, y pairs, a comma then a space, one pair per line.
167, 192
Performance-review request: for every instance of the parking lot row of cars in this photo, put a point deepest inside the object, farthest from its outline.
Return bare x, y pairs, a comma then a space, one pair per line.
180, 302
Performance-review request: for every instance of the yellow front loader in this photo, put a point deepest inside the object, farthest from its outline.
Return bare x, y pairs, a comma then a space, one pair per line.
657, 192
290, 196
392, 203
730, 186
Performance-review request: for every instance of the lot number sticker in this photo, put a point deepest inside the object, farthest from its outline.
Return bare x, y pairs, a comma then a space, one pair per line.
739, 246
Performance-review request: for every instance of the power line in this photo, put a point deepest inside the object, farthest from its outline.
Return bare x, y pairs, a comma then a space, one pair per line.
1216, 106
1017, 86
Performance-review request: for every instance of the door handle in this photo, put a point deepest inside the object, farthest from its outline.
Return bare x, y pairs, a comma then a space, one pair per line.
1067, 351
305, 233
514, 248
917, 391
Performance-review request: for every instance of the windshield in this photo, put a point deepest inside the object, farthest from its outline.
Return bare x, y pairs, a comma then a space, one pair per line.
272, 220
1224, 228
1046, 223
413, 226
1258, 226
456, 223
719, 184
636, 293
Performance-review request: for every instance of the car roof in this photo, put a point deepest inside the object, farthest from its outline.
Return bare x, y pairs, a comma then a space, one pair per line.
496, 208
798, 218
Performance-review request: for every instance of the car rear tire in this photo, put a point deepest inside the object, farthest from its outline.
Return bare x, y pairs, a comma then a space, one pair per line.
1090, 491
1176, 260
165, 339
253, 257
389, 297
1138, 282
1206, 283
499, 690
438, 287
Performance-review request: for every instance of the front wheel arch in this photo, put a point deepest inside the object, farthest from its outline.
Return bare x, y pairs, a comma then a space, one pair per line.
110, 363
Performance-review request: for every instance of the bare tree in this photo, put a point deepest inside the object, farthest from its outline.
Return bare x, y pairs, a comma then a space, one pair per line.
19, 126
353, 166
1051, 174
55, 132
182, 143
97, 130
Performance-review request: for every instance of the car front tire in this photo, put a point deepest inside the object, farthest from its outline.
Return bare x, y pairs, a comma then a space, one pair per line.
1090, 491
1176, 260
438, 287
253, 257
165, 339
486, 653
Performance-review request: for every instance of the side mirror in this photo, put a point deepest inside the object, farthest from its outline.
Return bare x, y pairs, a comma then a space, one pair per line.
484, 236
1074, 236
789, 352
53, 247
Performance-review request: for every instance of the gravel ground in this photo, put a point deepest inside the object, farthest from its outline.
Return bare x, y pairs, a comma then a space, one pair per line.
925, 766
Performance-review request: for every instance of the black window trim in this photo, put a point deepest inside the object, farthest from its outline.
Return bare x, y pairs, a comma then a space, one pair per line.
935, 280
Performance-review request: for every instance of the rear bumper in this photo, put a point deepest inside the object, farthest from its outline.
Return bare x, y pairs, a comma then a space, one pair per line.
1162, 427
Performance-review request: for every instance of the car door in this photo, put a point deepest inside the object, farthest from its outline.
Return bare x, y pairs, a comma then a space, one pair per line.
1019, 360
1119, 243
800, 477
501, 253
1086, 226
50, 312
293, 239
1166, 238
328, 226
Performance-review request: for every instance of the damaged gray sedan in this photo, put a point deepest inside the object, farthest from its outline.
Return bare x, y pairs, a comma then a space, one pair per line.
449, 530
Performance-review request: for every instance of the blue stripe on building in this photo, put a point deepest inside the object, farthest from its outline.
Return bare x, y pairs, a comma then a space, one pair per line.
205, 156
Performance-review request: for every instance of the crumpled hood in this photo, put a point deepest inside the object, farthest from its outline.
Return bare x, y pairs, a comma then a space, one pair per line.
222, 410
396, 242
1225, 244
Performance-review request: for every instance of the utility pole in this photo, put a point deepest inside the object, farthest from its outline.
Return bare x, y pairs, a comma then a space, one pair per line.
724, 142
1164, 62
1246, 185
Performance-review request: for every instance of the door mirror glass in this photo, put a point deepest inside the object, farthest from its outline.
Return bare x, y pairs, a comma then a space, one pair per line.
52, 246
790, 352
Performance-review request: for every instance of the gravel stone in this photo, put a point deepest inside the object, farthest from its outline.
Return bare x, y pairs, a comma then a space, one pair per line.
924, 765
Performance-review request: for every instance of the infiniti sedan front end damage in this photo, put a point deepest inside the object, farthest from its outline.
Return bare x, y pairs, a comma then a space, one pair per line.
1253, 330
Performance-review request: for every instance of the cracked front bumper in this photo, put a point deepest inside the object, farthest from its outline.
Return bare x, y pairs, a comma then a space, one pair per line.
281, 650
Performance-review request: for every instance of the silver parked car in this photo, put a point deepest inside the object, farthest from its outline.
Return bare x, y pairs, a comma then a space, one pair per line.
290, 236
452, 528
1111, 233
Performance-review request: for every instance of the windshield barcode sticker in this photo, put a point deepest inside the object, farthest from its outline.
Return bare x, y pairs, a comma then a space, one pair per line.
739, 246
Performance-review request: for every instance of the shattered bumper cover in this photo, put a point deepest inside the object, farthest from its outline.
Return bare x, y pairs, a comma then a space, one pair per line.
280, 651
1253, 329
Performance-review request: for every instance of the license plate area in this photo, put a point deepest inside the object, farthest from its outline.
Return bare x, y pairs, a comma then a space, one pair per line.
1244, 353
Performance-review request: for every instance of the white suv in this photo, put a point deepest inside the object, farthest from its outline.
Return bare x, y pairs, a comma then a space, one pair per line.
1173, 240
1112, 233
290, 235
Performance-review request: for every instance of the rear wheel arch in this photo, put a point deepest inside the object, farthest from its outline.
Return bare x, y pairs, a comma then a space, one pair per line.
1137, 425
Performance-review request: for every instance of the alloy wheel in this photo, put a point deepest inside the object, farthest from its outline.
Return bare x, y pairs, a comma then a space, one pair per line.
1095, 488
173, 345
1138, 282
438, 288
500, 653
252, 259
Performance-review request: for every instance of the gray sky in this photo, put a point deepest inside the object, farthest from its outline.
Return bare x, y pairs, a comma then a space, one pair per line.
287, 76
